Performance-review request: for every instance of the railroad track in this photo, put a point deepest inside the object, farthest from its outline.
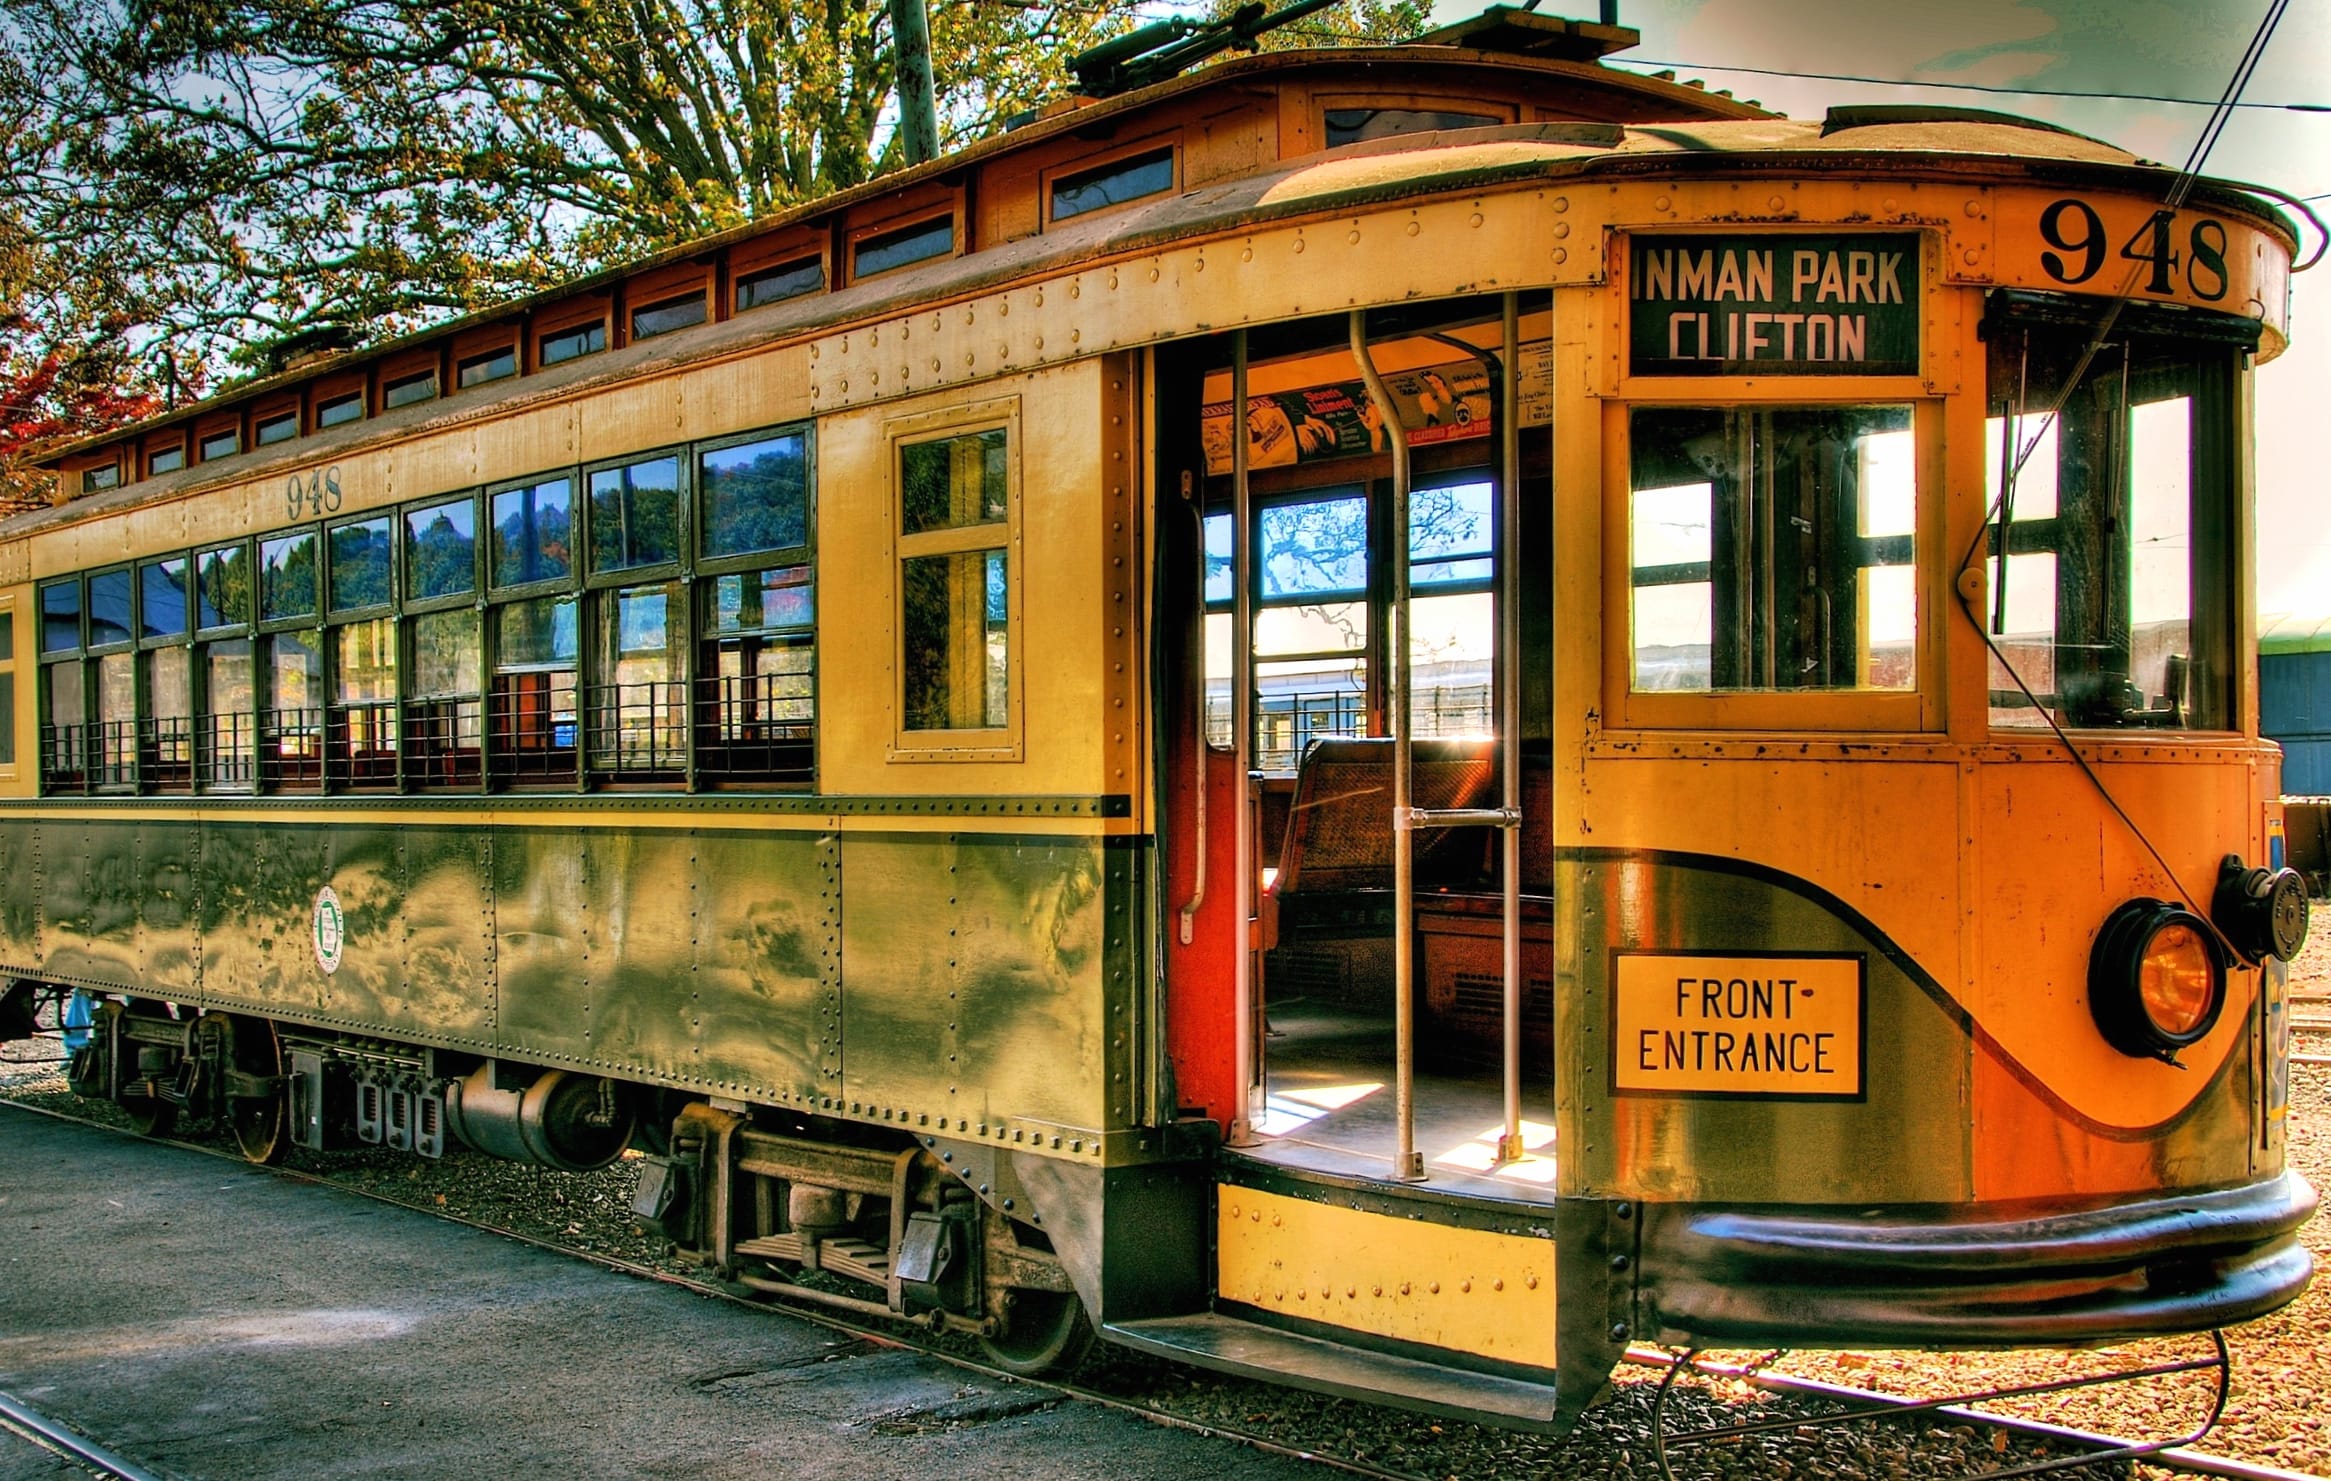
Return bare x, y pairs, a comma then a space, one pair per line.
27, 1423
1829, 1397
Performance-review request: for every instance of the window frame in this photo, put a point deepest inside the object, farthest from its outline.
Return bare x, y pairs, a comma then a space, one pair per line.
586, 564
402, 538
1169, 144
12, 716
1917, 711
1005, 743
579, 538
753, 560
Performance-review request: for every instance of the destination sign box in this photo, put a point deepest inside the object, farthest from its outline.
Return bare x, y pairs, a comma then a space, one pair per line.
1737, 1025
1833, 304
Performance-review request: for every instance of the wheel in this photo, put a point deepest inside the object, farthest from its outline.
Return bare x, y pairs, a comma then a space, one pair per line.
1044, 1332
261, 1123
149, 1115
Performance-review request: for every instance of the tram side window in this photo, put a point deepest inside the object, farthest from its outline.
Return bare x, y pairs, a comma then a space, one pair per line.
756, 702
8, 685
2111, 590
531, 711
639, 709
361, 725
166, 727
1772, 549
955, 582
444, 728
291, 728
113, 672
64, 732
1312, 628
227, 730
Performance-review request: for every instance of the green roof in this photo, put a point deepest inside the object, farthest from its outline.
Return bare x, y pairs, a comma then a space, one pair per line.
2293, 632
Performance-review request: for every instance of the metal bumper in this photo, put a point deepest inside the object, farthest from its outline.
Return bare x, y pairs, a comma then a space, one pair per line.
1760, 1278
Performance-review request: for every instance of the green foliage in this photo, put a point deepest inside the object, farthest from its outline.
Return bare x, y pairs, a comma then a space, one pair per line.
198, 179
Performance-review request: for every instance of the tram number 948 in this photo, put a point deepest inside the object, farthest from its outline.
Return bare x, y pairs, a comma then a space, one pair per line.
315, 492
2073, 227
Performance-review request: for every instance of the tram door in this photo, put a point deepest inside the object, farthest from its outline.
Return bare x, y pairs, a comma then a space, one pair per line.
1363, 1006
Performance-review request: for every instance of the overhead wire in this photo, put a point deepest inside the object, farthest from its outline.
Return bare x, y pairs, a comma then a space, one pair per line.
2179, 189
1969, 87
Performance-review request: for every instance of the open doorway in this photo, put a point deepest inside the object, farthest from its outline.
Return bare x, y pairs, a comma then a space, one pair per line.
1303, 1060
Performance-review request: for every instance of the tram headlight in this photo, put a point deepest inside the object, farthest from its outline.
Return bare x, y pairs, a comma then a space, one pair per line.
2262, 911
2156, 979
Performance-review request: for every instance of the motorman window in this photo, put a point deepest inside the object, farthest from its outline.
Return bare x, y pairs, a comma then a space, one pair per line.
2111, 530
1772, 549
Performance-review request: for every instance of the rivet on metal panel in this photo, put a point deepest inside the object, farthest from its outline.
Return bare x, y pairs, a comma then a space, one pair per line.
1975, 207
1662, 204
1404, 1288
1234, 1210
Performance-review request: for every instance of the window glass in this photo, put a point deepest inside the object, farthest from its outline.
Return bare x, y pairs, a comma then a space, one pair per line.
532, 709
493, 365
573, 344
106, 477
60, 616
2111, 567
360, 564
291, 732
116, 694
223, 586
1221, 559
948, 484
110, 608
1112, 184
7, 634
1771, 549
441, 549
162, 598
406, 390
445, 654
166, 460
339, 409
169, 737
540, 634
287, 576
956, 653
222, 444
776, 284
635, 515
362, 729
754, 496
1450, 534
1317, 547
7, 717
279, 428
295, 673
640, 711
1352, 125
761, 601
667, 315
532, 529
904, 247
228, 727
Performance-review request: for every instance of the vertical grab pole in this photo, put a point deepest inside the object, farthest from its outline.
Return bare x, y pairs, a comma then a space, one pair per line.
1242, 745
1509, 713
1406, 1165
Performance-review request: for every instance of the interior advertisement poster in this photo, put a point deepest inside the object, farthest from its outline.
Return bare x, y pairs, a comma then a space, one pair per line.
1441, 402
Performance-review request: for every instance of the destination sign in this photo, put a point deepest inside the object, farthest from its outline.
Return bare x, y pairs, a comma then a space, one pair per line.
1837, 304
1738, 1025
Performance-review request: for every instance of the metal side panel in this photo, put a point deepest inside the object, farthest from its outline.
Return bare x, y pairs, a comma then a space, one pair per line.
759, 1011
446, 943
170, 859
89, 903
20, 894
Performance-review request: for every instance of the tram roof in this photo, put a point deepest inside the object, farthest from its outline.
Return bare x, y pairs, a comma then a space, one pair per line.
1729, 139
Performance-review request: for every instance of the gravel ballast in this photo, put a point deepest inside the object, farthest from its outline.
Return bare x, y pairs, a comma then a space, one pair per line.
2279, 1414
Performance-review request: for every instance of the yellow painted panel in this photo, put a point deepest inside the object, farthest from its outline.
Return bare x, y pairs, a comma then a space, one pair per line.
1463, 1290
745, 394
1731, 1025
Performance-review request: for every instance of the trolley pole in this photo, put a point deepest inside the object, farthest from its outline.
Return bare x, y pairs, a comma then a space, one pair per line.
918, 102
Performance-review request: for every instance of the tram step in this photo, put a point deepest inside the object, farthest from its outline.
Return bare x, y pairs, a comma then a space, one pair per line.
1229, 1345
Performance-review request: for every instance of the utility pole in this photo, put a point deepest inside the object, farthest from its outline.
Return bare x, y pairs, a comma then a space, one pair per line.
918, 103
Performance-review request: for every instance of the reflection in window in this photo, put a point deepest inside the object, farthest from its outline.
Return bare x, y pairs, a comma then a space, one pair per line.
1352, 125
287, 576
223, 586
282, 427
753, 496
166, 459
1113, 184
64, 735
114, 748
533, 533
1773, 549
406, 390
360, 564
904, 247
759, 700
530, 712
229, 728
635, 515
573, 344
493, 365
441, 550
955, 582
110, 607
444, 716
776, 284
167, 728
60, 616
291, 728
162, 598
222, 444
2114, 600
639, 704
348, 408
363, 721
667, 315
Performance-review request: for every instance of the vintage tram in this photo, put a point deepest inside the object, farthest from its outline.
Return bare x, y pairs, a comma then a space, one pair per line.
1385, 716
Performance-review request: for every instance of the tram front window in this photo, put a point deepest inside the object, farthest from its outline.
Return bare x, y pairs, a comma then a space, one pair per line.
2114, 602
1772, 548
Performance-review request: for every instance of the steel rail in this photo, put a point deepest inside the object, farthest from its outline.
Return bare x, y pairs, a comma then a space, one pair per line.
22, 1419
1881, 1405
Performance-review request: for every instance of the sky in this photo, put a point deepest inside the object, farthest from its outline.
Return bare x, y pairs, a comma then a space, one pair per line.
2168, 48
